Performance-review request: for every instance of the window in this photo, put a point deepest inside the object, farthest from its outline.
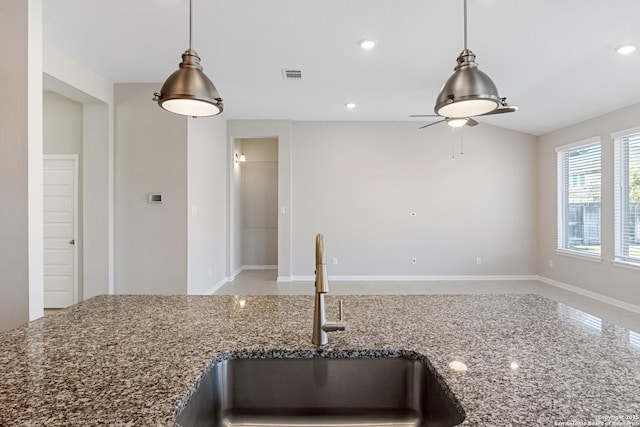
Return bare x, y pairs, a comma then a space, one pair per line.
579, 184
627, 195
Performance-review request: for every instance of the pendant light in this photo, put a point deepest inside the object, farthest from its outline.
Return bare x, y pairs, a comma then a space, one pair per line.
468, 92
188, 91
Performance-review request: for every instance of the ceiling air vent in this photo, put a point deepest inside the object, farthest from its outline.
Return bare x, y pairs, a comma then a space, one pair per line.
292, 74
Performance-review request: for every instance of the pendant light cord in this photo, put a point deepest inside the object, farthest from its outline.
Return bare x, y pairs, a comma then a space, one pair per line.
465, 25
191, 24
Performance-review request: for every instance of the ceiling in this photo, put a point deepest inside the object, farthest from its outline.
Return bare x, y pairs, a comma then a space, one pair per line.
555, 59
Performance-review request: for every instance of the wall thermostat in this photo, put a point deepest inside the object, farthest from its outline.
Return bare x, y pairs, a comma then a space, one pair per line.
155, 198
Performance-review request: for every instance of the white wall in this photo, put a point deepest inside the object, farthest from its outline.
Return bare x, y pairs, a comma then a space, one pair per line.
62, 134
150, 157
357, 182
602, 278
36, 186
260, 202
207, 195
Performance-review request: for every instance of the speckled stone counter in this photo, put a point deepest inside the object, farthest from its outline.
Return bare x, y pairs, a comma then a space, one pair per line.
130, 360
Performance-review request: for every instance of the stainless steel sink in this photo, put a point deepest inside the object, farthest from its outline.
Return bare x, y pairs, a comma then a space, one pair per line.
321, 391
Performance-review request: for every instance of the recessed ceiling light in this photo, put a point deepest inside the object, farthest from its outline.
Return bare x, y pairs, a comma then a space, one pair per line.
626, 49
350, 105
367, 44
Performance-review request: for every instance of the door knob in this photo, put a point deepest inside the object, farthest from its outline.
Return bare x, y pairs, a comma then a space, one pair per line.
72, 242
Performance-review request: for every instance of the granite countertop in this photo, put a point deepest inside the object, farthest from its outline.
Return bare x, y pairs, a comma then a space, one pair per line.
130, 360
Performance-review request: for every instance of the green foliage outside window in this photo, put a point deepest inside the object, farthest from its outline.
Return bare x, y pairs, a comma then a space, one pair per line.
634, 185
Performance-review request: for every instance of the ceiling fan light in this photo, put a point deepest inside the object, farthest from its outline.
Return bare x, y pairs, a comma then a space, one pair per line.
188, 91
458, 122
468, 92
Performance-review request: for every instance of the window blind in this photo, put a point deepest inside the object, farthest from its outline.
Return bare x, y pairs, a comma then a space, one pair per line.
579, 194
627, 197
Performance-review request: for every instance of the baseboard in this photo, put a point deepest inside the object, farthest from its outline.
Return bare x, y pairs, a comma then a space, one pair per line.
285, 279
593, 295
404, 278
259, 267
212, 290
233, 275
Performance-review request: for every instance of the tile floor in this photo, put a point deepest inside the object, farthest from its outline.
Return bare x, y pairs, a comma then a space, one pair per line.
263, 282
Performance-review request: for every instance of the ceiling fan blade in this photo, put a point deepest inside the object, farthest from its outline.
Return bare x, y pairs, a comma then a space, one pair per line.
424, 115
471, 122
431, 124
509, 109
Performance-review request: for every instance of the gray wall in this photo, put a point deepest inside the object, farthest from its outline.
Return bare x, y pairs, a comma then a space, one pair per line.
97, 207
207, 194
260, 202
281, 130
62, 133
236, 210
21, 268
357, 182
150, 157
14, 261
602, 277
72, 80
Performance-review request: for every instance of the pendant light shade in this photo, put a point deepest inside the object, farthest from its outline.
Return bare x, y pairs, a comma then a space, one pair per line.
468, 92
188, 91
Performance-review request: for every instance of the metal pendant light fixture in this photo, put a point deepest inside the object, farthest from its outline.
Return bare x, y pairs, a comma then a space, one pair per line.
468, 92
188, 91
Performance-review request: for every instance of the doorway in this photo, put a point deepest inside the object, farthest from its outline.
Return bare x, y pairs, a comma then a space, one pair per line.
60, 173
259, 195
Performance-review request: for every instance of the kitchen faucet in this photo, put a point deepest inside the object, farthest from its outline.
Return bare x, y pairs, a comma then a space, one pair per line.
320, 325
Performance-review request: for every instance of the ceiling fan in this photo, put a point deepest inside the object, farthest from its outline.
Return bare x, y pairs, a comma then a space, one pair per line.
457, 122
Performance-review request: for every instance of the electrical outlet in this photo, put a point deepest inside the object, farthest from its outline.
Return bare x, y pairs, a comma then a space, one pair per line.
335, 261
479, 260
550, 263
414, 260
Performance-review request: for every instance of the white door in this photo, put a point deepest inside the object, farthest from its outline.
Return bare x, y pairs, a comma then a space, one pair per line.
60, 210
